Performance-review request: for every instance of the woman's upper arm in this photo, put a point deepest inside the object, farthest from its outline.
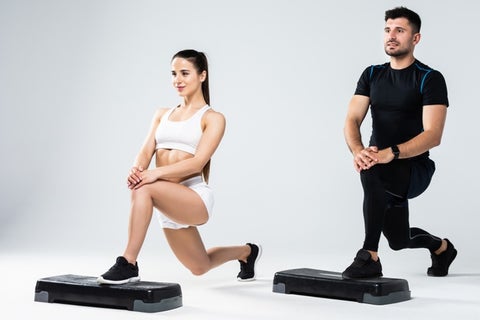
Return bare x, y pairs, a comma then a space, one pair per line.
214, 128
149, 143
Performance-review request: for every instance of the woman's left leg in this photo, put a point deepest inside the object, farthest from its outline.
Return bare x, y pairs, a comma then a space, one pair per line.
187, 245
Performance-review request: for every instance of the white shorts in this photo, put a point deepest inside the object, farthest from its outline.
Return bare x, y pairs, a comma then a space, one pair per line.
202, 189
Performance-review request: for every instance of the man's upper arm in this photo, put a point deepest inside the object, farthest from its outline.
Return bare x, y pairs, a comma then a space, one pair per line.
358, 108
434, 117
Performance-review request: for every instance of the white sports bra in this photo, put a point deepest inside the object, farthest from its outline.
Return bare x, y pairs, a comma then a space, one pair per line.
180, 135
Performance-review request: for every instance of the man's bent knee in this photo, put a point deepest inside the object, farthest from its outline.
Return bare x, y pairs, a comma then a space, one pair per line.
397, 245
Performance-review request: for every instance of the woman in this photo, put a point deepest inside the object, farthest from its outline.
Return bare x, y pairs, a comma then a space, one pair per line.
183, 139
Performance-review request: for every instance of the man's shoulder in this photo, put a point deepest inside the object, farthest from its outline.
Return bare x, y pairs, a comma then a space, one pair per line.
378, 66
374, 68
428, 77
424, 67
426, 72
381, 65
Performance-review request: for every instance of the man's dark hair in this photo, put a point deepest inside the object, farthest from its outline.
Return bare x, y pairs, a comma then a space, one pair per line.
402, 12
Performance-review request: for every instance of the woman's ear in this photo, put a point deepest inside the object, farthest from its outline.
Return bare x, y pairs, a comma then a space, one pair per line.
203, 75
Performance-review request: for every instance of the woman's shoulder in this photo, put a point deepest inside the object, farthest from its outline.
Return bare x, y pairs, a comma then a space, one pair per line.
213, 115
160, 112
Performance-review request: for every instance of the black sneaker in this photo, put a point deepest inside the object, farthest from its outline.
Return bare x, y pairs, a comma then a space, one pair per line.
363, 267
442, 261
121, 272
247, 269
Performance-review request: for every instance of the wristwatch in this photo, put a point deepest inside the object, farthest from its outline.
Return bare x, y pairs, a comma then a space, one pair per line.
395, 151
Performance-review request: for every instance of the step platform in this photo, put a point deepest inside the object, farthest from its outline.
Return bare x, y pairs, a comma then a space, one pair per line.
328, 284
140, 296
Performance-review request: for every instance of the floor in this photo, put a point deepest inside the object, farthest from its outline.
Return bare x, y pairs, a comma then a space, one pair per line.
217, 295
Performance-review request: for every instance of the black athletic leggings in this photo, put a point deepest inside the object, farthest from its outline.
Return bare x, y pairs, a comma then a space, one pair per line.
387, 188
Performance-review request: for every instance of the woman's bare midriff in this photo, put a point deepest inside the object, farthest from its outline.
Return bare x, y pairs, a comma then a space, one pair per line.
166, 157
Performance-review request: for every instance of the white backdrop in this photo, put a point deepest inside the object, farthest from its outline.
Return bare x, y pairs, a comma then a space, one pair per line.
80, 81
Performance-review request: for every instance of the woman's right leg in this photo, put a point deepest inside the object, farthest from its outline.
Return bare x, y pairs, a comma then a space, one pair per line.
177, 201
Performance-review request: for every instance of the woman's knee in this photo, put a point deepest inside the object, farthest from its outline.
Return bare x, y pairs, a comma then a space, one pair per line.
141, 193
199, 269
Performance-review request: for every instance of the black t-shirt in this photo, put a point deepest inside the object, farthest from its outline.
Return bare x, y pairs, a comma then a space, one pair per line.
397, 98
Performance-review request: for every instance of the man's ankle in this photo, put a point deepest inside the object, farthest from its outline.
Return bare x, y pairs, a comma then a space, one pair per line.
442, 248
374, 255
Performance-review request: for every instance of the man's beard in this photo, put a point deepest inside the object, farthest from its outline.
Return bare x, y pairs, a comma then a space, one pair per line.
399, 53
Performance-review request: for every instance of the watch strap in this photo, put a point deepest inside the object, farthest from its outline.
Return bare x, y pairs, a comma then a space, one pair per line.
395, 151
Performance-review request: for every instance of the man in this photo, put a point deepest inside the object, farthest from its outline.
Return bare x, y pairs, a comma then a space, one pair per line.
408, 102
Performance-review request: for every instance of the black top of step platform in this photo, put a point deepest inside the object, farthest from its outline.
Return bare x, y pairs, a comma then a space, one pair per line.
307, 273
142, 290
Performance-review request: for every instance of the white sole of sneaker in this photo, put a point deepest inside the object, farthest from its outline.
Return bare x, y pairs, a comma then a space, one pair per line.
101, 280
254, 266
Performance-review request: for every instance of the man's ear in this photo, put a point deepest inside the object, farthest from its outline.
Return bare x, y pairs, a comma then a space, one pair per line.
416, 38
